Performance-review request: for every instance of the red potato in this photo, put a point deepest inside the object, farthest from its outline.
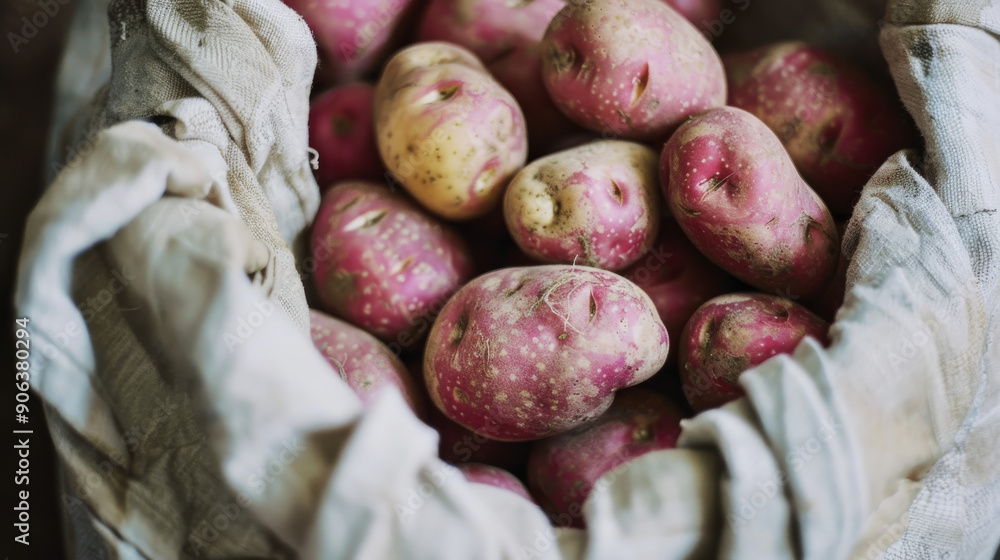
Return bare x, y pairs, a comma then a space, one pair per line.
635, 69
494, 476
677, 278
506, 36
733, 333
562, 470
525, 353
353, 36
364, 363
596, 205
447, 130
382, 263
837, 125
737, 196
342, 131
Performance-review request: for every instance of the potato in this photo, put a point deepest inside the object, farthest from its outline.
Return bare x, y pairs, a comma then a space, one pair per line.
596, 205
562, 470
342, 131
383, 264
364, 363
733, 333
506, 36
677, 278
449, 133
837, 126
634, 69
737, 196
494, 476
525, 353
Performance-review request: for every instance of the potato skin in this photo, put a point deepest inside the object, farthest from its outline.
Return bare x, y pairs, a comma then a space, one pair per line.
562, 470
449, 133
733, 333
633, 68
382, 263
597, 205
342, 131
494, 476
737, 196
364, 363
525, 353
837, 126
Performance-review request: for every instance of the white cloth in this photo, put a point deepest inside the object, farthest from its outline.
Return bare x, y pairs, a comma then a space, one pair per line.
194, 419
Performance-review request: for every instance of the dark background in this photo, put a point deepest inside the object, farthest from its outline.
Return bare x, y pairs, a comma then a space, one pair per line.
26, 95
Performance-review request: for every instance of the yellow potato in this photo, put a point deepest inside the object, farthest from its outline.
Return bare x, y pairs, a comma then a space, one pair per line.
447, 131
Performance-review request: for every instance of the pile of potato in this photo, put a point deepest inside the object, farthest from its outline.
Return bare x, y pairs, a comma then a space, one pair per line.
533, 200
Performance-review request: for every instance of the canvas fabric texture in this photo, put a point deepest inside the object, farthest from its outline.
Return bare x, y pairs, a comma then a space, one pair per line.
194, 419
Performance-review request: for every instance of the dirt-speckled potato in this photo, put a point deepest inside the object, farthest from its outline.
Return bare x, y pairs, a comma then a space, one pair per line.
525, 353
634, 68
733, 333
449, 133
384, 264
596, 205
736, 194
